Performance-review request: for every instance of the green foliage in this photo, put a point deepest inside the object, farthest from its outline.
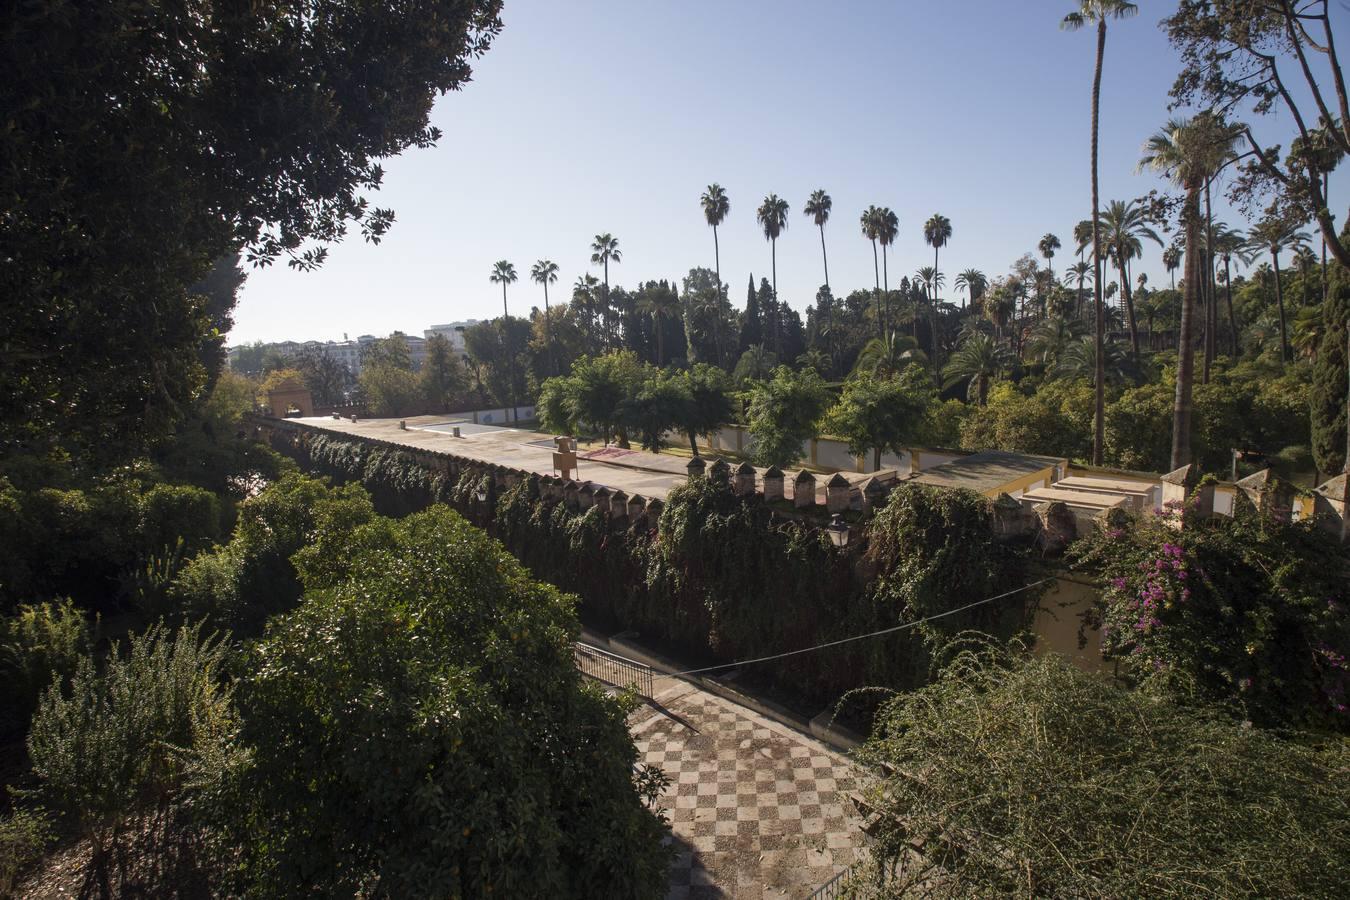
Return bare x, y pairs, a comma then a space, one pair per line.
117, 205
391, 391
877, 414
241, 583
710, 401
1327, 396
1246, 611
444, 381
784, 412
1055, 420
1138, 428
170, 513
419, 727
24, 837
40, 645
601, 388
136, 739
1025, 777
660, 405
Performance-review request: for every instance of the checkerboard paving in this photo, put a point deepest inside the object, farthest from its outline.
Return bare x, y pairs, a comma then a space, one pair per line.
756, 809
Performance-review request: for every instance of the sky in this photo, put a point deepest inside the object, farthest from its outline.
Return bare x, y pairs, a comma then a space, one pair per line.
589, 117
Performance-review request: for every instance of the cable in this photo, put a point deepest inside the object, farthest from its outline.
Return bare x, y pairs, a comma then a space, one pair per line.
859, 637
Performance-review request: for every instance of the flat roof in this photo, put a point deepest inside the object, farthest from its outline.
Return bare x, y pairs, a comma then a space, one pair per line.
986, 471
1085, 499
1105, 485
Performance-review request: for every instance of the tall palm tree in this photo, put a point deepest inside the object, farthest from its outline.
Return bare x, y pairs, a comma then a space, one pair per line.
1230, 244
1051, 337
937, 231
773, 218
544, 272
974, 283
1082, 236
871, 222
977, 361
504, 273
1078, 273
1122, 225
1098, 11
1189, 152
1171, 258
818, 207
1273, 235
716, 207
1079, 360
1048, 244
932, 280
605, 248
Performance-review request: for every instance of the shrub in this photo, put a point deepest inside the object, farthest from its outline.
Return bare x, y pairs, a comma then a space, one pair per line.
173, 512
1026, 777
420, 728
132, 741
24, 836
40, 645
1246, 611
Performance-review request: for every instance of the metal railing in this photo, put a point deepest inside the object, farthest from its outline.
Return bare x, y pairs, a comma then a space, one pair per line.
834, 888
614, 669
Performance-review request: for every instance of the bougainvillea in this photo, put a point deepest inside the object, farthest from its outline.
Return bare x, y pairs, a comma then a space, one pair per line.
1248, 610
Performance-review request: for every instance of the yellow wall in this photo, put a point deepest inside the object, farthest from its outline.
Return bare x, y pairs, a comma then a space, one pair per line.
1034, 480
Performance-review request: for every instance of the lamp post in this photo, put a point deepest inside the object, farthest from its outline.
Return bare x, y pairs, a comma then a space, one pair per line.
837, 530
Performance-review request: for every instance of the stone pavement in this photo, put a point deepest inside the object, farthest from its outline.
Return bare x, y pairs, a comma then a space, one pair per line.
756, 809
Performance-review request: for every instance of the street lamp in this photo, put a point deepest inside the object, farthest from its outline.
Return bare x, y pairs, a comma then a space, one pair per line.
481, 492
837, 530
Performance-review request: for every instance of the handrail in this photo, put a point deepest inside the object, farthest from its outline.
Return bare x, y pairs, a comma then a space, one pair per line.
611, 668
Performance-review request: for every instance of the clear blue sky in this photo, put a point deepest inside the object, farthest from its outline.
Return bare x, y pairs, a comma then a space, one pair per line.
591, 116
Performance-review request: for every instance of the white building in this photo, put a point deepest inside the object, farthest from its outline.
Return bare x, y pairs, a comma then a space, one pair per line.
453, 332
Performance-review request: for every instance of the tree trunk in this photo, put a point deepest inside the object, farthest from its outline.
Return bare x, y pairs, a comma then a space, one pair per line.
1228, 296
693, 443
1211, 300
1129, 308
876, 459
823, 257
1099, 410
773, 257
982, 389
717, 319
510, 359
1181, 409
548, 334
932, 312
1279, 301
876, 273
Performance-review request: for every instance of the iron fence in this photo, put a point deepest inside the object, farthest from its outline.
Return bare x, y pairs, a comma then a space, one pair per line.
614, 669
834, 888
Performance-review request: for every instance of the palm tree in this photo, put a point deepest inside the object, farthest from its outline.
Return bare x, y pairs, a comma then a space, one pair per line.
1122, 225
871, 223
937, 231
888, 232
504, 273
1051, 338
1048, 244
1078, 273
543, 272
1098, 11
1082, 236
977, 360
1189, 152
1230, 243
1272, 235
818, 207
889, 356
1079, 360
660, 304
716, 207
974, 282
773, 218
814, 358
604, 248
1171, 258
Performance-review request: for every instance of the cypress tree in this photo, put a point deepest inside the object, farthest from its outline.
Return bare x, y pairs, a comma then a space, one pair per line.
752, 326
1329, 383
769, 319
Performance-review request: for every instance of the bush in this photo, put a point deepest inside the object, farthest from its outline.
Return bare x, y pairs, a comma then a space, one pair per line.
420, 728
1245, 611
133, 741
239, 585
24, 837
173, 512
40, 645
1028, 778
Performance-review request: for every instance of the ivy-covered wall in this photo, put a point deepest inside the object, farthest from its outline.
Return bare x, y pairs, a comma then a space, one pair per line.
718, 577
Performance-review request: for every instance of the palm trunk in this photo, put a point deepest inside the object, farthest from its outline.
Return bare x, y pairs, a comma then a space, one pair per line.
773, 258
1232, 320
548, 334
510, 357
717, 323
876, 273
1129, 307
1181, 409
607, 314
1279, 302
1099, 411
982, 389
823, 257
1211, 301
932, 312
